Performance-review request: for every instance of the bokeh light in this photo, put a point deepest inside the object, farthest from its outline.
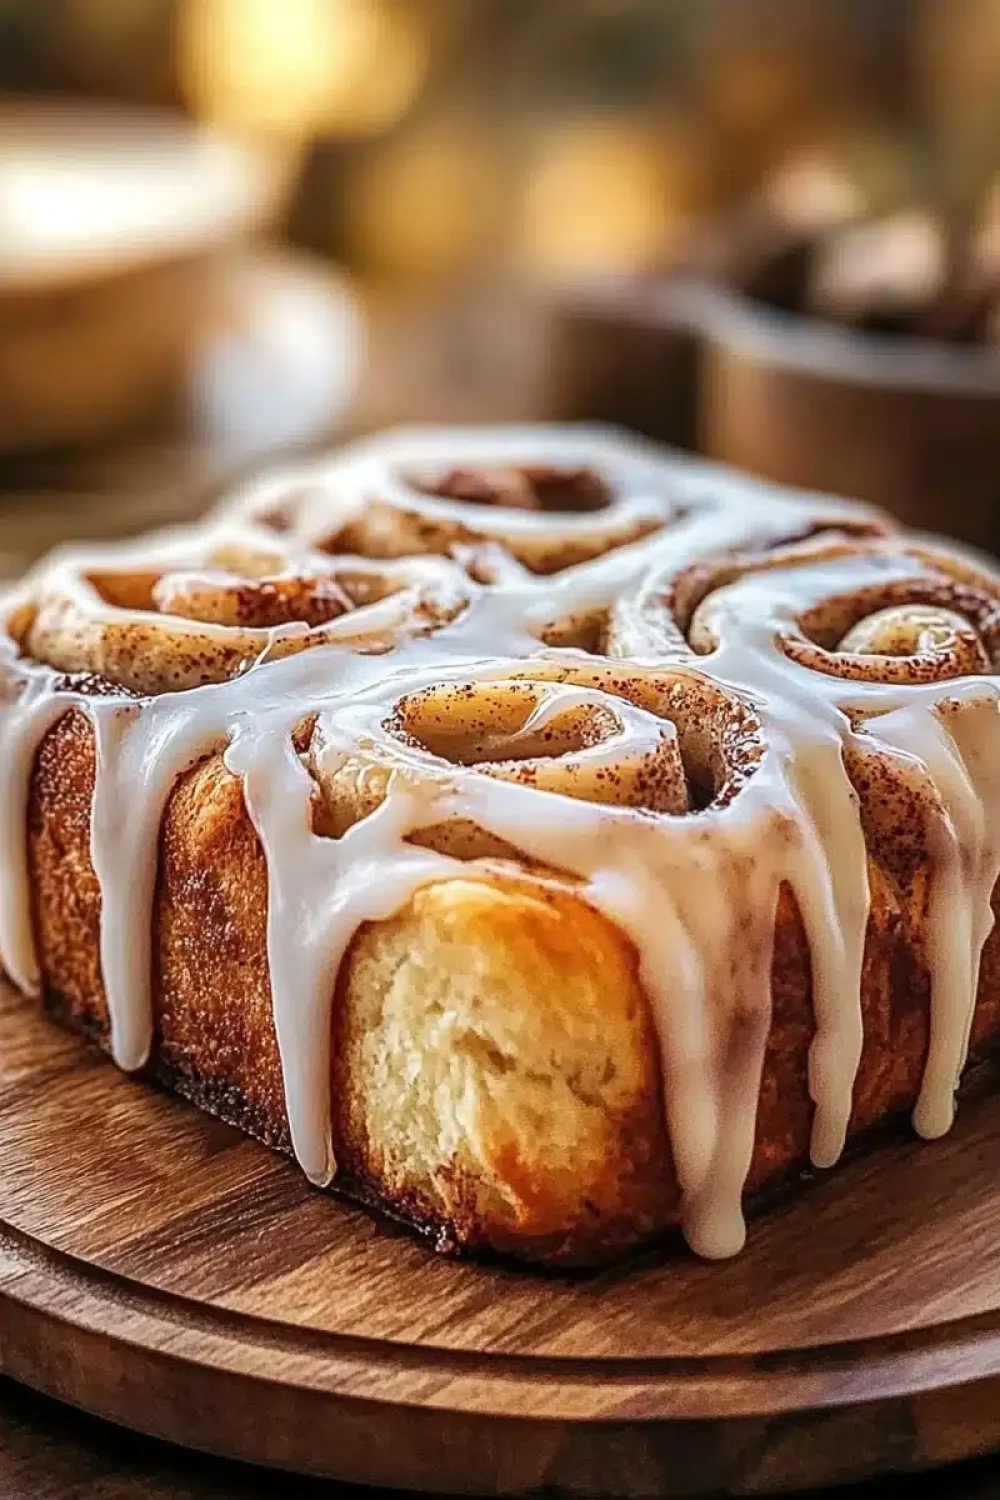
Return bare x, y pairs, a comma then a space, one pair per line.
300, 67
427, 201
597, 193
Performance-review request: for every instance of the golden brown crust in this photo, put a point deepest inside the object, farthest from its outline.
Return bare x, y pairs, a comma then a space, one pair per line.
538, 1128
518, 1179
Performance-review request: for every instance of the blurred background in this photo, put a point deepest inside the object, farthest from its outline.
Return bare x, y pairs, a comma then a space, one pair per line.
765, 229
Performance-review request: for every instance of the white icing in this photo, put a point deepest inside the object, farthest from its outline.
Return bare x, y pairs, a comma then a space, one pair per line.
966, 853
695, 891
140, 752
25, 720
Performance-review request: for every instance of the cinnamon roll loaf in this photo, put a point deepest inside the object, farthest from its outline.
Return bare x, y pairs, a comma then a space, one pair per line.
544, 839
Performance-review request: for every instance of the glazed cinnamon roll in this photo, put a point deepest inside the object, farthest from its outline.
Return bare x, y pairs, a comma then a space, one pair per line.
656, 744
874, 609
547, 840
222, 606
547, 503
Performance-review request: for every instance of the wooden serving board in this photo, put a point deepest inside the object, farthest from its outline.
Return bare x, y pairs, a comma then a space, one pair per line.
161, 1270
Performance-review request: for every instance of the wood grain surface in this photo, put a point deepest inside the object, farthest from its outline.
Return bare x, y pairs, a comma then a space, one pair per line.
52, 1452
161, 1270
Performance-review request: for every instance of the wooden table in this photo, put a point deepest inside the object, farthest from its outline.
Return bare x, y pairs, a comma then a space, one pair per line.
49, 1452
290, 359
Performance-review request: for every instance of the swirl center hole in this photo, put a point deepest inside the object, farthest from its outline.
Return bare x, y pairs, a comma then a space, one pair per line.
490, 724
907, 630
547, 488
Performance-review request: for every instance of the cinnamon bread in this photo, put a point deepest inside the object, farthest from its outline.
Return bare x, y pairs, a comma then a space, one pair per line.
545, 839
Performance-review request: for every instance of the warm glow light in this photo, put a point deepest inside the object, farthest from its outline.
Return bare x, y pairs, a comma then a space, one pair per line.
300, 67
595, 197
813, 194
85, 190
425, 202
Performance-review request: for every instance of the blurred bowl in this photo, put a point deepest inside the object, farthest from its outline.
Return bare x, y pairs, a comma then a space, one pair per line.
112, 223
626, 349
900, 422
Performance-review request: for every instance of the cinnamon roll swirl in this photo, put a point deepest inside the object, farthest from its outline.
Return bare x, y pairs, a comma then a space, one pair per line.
215, 610
410, 495
548, 840
874, 609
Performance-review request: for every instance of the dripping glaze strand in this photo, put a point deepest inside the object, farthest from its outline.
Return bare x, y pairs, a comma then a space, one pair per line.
683, 773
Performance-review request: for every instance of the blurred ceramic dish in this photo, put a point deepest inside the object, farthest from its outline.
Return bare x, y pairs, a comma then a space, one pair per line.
276, 367
111, 224
909, 424
626, 349
815, 339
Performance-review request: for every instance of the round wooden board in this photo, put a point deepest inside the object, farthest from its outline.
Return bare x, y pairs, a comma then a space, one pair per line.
161, 1270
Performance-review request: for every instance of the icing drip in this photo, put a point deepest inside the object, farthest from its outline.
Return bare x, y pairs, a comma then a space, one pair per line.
966, 853
140, 750
711, 953
684, 773
24, 721
319, 891
828, 871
